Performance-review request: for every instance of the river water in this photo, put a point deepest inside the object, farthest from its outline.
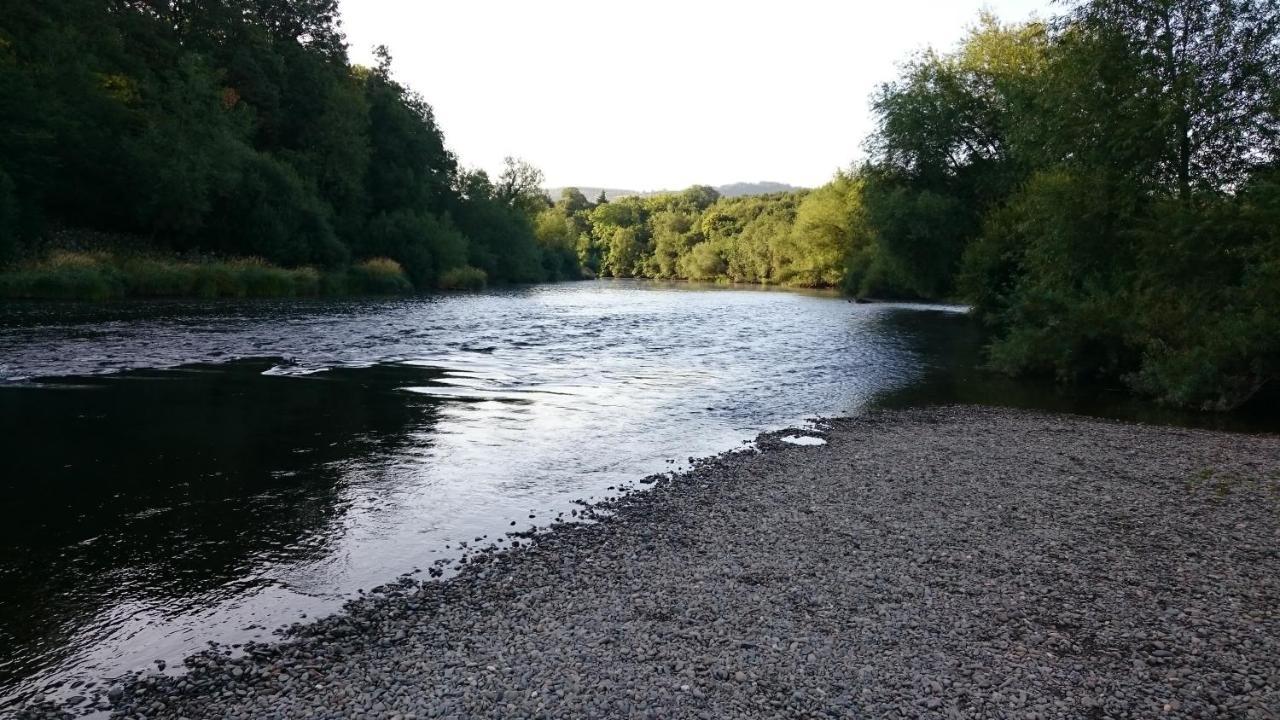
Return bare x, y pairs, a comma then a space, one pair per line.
178, 473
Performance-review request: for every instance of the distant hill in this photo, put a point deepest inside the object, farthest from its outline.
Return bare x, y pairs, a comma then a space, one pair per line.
594, 192
764, 187
737, 189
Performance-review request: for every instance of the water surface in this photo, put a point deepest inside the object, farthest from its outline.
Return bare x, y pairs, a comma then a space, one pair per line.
178, 473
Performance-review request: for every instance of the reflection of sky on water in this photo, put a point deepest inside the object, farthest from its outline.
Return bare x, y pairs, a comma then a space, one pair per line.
154, 510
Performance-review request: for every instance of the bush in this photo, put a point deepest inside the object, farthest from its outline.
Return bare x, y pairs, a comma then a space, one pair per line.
67, 275
255, 278
423, 244
8, 220
463, 278
64, 276
272, 214
379, 276
703, 262
148, 277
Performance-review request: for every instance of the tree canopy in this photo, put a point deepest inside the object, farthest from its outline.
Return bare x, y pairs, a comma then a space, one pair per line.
239, 127
1102, 186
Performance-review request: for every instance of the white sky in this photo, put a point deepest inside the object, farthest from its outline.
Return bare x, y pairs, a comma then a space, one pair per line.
659, 94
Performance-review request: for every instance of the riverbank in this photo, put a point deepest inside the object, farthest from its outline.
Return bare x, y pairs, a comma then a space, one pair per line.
113, 275
924, 563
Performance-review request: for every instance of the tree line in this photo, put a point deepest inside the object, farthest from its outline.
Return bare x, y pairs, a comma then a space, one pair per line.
240, 128
1103, 186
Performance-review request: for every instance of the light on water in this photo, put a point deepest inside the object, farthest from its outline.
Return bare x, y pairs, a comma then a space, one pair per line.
178, 473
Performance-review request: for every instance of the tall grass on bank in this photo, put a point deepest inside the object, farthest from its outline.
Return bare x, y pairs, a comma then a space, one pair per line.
463, 278
378, 276
68, 275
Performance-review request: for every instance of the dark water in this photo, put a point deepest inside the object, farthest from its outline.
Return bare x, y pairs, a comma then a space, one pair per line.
179, 473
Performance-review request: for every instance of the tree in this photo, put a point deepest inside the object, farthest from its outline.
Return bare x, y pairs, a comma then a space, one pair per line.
572, 201
943, 153
520, 186
1206, 73
240, 127
823, 234
1149, 147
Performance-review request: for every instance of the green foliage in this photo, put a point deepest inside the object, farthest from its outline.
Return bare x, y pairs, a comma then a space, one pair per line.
270, 214
1235, 280
105, 276
64, 276
240, 128
826, 225
423, 245
520, 186
463, 278
379, 276
697, 235
502, 242
8, 219
1102, 189
556, 234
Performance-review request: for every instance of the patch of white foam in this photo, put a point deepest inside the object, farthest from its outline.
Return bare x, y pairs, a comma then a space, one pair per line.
803, 440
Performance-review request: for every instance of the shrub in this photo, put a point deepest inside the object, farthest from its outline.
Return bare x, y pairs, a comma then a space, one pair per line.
64, 276
67, 275
379, 275
8, 219
463, 278
148, 277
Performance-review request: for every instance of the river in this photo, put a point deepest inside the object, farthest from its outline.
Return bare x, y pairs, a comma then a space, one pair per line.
185, 472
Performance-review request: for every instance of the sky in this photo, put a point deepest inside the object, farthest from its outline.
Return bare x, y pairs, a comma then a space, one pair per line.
659, 94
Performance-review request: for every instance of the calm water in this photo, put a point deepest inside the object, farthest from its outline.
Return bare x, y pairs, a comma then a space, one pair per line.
177, 473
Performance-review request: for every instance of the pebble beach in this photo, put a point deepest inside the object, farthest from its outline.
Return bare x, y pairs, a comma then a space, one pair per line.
950, 562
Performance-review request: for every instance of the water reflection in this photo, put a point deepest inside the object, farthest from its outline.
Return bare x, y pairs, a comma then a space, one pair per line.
293, 453
164, 491
952, 372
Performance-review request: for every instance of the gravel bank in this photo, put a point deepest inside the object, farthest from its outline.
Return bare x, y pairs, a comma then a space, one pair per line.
940, 563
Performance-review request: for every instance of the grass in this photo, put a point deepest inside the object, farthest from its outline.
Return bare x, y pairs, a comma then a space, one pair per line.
68, 275
379, 276
463, 278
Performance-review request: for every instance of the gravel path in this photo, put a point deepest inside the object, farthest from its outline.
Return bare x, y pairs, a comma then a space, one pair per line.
940, 563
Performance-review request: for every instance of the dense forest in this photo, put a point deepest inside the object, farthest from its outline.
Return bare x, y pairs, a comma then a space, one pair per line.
239, 128
1102, 186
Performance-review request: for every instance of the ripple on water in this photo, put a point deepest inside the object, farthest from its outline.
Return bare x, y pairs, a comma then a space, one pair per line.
335, 445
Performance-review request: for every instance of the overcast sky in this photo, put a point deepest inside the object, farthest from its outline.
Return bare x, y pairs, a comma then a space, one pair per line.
660, 93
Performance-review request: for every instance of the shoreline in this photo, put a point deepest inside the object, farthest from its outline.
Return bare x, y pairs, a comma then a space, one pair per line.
922, 562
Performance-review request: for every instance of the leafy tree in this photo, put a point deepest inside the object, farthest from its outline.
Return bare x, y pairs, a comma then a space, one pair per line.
823, 234
572, 202
270, 213
1150, 143
674, 234
1205, 73
241, 128
520, 186
557, 239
